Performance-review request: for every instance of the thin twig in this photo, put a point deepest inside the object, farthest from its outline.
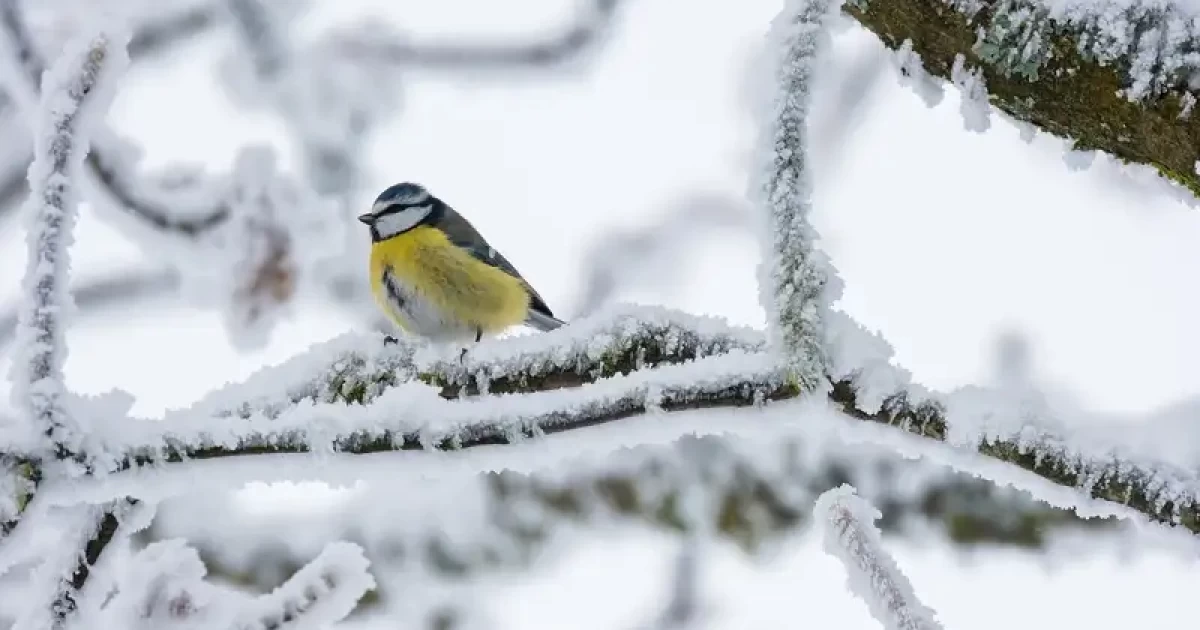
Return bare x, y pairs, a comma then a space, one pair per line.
584, 33
119, 289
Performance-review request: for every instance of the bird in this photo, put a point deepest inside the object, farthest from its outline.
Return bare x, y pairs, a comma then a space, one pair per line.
437, 278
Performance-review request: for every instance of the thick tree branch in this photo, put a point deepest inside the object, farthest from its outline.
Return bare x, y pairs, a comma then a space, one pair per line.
1110, 79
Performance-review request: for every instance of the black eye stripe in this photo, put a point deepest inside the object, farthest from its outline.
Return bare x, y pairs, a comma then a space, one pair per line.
397, 207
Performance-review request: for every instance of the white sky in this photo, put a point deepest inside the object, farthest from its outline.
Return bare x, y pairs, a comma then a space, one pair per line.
944, 238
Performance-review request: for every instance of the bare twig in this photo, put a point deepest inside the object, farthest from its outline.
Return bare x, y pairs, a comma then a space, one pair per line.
626, 254
583, 34
158, 33
118, 289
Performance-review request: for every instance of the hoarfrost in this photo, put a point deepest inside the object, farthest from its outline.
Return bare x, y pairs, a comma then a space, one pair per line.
913, 74
973, 95
797, 281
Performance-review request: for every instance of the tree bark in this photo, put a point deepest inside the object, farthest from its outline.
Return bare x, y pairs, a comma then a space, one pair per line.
1066, 76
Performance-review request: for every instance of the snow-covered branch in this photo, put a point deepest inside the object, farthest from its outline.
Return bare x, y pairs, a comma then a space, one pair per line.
354, 395
74, 95
1110, 75
797, 282
851, 536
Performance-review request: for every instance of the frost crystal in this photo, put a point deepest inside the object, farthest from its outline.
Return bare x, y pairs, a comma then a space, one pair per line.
974, 99
913, 74
797, 281
851, 536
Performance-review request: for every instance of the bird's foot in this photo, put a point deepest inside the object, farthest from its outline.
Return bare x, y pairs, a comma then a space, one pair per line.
389, 339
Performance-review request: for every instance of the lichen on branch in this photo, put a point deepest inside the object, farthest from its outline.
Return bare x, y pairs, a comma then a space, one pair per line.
1108, 77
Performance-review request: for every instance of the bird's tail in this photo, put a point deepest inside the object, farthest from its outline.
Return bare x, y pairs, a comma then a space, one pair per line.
542, 321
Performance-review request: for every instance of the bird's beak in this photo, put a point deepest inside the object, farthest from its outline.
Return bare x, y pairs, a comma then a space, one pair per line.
367, 218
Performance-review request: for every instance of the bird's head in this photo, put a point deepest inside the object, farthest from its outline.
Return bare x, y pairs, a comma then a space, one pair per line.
397, 210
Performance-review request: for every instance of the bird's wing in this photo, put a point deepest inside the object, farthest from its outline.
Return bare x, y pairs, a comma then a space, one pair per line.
463, 234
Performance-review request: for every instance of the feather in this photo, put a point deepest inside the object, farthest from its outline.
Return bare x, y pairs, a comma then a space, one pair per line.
463, 234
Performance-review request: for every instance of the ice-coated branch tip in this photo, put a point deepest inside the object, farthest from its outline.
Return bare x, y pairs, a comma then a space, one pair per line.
74, 97
797, 283
848, 524
320, 594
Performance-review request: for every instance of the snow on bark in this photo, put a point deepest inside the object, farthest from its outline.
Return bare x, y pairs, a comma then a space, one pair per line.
797, 281
851, 536
75, 94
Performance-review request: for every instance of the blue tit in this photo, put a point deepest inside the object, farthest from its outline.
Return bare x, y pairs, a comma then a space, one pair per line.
437, 278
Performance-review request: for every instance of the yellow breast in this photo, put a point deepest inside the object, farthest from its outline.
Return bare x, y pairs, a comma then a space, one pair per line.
450, 279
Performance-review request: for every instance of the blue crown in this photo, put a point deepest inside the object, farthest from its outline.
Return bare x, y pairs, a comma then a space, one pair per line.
404, 193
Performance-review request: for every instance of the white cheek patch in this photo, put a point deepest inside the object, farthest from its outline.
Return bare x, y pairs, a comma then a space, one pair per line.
393, 223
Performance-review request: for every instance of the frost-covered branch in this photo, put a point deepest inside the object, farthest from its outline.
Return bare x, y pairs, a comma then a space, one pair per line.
851, 536
378, 45
354, 395
797, 282
1112, 75
74, 95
